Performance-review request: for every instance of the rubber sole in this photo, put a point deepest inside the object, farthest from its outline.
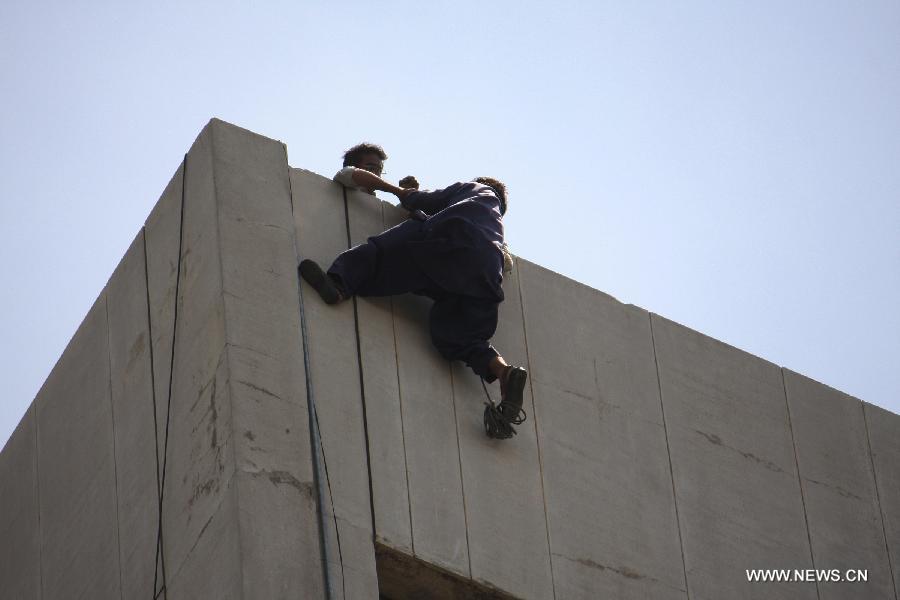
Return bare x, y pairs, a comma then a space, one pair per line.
313, 274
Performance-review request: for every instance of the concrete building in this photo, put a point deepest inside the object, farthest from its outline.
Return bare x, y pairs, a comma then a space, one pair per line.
213, 430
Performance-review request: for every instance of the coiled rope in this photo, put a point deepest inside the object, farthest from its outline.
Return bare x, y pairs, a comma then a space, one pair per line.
499, 418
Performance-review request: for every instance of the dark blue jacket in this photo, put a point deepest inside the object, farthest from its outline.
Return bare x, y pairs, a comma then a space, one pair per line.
463, 236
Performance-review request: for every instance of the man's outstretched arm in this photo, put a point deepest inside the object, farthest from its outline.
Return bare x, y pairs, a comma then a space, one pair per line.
368, 180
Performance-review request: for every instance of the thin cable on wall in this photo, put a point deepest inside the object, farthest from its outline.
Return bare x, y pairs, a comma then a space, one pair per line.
160, 553
315, 443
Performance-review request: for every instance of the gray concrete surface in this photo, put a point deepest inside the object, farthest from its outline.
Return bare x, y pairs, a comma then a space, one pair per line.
381, 388
162, 237
269, 423
883, 428
437, 511
845, 526
503, 491
20, 539
735, 473
132, 410
213, 568
608, 487
321, 227
432, 446
76, 469
656, 462
199, 454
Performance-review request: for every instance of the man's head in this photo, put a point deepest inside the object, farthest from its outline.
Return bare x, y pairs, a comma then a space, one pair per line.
498, 187
366, 156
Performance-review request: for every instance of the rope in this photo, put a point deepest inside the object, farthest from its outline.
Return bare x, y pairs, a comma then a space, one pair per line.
159, 560
500, 418
315, 442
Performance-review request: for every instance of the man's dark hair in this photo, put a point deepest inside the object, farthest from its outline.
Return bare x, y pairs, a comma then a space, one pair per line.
498, 187
352, 156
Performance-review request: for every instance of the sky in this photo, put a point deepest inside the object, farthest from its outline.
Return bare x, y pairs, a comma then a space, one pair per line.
729, 165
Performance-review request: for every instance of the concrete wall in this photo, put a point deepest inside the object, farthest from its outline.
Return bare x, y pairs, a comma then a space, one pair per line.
174, 427
214, 430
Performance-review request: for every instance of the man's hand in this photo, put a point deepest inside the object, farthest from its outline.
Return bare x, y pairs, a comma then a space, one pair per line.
409, 182
404, 192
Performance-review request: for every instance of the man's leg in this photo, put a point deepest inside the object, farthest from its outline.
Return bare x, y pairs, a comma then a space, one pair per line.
461, 329
353, 267
382, 266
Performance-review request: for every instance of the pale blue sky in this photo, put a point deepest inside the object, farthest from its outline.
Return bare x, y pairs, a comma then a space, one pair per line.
732, 166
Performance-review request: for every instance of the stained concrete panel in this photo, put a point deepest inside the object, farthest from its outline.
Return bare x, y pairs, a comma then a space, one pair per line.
199, 456
504, 498
608, 487
213, 568
20, 551
734, 468
279, 529
306, 184
845, 526
162, 232
132, 410
162, 236
384, 411
432, 446
883, 429
321, 229
76, 469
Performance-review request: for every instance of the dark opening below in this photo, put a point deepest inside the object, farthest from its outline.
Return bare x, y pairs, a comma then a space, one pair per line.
403, 577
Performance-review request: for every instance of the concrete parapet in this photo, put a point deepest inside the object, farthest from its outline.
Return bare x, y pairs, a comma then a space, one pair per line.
846, 529
214, 430
733, 465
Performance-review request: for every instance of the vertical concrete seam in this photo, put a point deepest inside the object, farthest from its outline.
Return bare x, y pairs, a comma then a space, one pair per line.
462, 483
787, 406
412, 537
315, 445
156, 559
37, 484
112, 423
162, 486
231, 395
878, 495
537, 437
662, 408
362, 380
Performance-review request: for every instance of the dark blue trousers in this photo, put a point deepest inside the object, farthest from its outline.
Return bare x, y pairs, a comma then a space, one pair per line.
461, 326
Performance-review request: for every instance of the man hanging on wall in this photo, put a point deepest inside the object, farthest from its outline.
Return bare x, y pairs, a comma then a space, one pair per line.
455, 257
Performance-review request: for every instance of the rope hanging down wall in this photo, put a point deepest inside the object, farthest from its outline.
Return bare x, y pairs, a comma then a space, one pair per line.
159, 560
315, 442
